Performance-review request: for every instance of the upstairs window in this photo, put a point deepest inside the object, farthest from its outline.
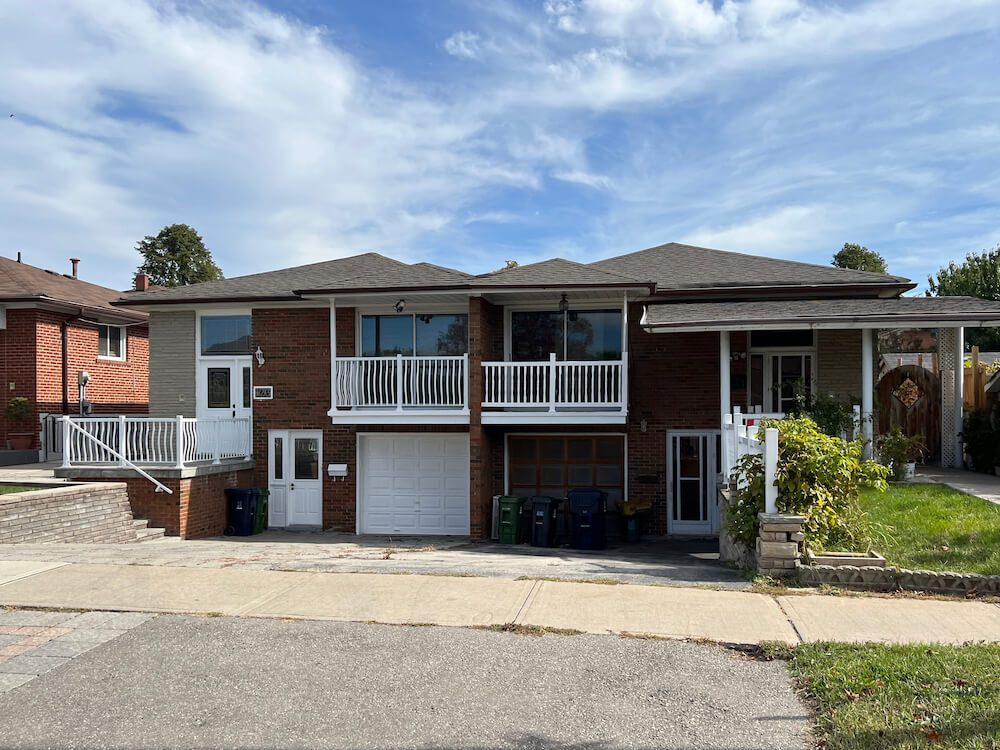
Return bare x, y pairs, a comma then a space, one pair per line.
574, 335
111, 342
225, 334
423, 335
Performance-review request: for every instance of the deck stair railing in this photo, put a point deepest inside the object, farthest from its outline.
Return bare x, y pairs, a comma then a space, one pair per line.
75, 435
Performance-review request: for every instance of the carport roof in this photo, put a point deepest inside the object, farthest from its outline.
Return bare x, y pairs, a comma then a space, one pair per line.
917, 312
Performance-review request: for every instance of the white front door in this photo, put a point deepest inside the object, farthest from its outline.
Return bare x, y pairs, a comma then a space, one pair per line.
224, 387
295, 478
692, 471
413, 484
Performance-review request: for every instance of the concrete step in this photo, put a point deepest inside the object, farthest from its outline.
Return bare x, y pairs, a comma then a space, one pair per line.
140, 523
147, 534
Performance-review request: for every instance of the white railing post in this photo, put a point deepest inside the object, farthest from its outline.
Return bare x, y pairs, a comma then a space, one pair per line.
465, 381
727, 446
623, 382
553, 376
217, 447
399, 382
179, 441
65, 441
857, 421
770, 470
122, 440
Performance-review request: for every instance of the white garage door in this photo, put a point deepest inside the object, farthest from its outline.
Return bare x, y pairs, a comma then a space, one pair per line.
414, 484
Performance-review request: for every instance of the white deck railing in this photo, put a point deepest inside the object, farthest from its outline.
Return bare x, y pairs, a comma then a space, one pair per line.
554, 386
399, 382
148, 441
740, 438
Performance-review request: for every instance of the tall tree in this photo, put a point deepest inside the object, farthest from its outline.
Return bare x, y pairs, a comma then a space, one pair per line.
177, 257
860, 258
978, 276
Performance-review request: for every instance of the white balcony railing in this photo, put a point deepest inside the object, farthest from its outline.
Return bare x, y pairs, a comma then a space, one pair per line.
147, 441
554, 386
402, 383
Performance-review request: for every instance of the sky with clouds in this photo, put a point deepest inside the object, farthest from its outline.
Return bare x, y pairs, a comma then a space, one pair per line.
467, 133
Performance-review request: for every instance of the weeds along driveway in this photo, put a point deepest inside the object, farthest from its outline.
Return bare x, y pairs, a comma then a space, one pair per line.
657, 562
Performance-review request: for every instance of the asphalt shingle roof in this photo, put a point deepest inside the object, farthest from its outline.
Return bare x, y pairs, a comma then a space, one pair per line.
20, 281
890, 312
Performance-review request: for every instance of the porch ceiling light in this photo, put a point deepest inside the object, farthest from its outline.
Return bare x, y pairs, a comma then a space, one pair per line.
400, 306
563, 303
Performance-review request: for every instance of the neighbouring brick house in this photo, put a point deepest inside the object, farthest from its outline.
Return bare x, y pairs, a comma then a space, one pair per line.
55, 326
374, 396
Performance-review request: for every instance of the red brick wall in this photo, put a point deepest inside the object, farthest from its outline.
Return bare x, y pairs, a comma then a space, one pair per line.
485, 444
31, 358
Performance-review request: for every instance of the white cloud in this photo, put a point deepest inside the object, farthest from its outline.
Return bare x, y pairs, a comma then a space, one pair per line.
463, 44
778, 233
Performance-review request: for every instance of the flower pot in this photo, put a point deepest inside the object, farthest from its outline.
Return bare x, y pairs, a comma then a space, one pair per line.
21, 441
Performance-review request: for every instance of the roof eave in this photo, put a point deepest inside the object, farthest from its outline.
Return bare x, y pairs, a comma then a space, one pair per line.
69, 306
823, 321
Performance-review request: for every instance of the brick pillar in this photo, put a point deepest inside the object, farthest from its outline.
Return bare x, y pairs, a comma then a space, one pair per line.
779, 543
479, 450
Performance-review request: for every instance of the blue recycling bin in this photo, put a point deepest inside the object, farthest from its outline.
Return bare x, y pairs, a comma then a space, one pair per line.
588, 510
241, 505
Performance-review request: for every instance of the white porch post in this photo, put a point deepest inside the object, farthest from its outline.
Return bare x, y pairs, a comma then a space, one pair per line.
725, 391
867, 388
333, 354
958, 424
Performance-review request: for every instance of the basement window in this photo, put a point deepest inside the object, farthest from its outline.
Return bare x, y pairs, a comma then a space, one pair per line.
111, 342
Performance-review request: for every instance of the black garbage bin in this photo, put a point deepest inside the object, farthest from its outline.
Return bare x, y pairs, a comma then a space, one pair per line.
240, 506
543, 521
588, 513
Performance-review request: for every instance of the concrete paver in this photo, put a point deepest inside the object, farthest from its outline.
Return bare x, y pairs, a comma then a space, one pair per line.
727, 616
860, 619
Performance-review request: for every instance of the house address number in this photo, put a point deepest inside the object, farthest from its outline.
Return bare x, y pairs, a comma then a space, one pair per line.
263, 392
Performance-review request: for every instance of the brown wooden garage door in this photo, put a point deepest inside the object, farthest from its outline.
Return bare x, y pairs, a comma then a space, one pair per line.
554, 464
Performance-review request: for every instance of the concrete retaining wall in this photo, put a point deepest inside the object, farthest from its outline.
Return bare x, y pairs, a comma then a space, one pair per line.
74, 513
896, 579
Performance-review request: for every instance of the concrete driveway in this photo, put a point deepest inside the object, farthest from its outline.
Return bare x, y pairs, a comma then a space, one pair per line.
653, 562
225, 682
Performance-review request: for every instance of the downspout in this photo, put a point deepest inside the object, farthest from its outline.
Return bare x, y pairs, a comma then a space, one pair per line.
64, 336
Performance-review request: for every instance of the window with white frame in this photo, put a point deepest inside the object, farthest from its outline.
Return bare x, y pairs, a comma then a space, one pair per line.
111, 342
424, 335
781, 369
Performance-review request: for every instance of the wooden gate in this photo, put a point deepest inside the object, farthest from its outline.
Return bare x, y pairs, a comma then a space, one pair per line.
910, 396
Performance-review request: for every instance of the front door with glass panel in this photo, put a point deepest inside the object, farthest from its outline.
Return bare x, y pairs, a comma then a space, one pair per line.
693, 466
295, 478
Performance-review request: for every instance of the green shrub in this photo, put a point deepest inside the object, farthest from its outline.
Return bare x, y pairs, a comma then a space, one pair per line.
819, 477
18, 409
896, 450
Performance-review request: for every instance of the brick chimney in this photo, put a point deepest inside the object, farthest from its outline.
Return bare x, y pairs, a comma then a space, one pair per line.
141, 282
76, 263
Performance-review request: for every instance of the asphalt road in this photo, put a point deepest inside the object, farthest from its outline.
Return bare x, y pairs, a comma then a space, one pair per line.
204, 682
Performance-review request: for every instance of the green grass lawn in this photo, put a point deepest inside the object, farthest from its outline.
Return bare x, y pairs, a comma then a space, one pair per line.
6, 489
932, 527
869, 697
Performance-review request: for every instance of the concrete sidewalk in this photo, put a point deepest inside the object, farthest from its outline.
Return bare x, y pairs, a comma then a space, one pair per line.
984, 486
672, 612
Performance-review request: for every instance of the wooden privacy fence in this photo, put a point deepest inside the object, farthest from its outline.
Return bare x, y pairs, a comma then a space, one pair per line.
976, 376
910, 397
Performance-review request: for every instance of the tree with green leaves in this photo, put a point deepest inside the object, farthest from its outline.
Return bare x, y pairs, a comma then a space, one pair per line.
978, 276
177, 257
860, 258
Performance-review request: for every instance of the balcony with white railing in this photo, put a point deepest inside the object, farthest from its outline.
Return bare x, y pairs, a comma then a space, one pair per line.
147, 442
400, 389
556, 392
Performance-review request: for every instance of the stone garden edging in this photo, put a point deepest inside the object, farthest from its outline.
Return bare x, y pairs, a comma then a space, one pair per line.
898, 579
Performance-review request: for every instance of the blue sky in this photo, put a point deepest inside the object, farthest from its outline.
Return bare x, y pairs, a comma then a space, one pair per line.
468, 133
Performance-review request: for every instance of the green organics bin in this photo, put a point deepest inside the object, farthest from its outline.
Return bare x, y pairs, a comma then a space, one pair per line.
260, 519
510, 519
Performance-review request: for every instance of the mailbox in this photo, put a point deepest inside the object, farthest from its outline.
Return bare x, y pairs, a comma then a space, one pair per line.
337, 470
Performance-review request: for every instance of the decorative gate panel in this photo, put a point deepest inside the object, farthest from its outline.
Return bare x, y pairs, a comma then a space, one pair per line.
910, 396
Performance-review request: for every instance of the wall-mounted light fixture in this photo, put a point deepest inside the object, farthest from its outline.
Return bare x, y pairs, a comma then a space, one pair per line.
260, 357
400, 306
737, 356
563, 303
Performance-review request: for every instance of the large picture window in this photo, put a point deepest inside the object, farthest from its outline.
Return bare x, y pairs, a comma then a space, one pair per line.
225, 334
575, 335
423, 335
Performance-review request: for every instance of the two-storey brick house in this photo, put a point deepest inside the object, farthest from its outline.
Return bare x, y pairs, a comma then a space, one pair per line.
439, 389
55, 326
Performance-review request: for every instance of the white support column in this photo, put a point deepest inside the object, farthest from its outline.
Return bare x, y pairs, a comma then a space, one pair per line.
770, 470
958, 424
333, 354
867, 388
725, 390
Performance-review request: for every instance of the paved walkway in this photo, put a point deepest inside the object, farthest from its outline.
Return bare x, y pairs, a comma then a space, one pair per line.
672, 612
30, 473
654, 562
984, 486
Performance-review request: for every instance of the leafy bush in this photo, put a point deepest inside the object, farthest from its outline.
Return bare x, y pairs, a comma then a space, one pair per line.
18, 409
832, 416
819, 477
897, 449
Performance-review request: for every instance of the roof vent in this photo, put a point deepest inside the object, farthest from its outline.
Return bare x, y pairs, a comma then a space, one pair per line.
76, 263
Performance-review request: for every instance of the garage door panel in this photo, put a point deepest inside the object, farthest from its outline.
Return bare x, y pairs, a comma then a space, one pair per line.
414, 484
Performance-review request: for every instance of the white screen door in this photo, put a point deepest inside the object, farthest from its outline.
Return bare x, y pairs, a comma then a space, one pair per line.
295, 478
693, 467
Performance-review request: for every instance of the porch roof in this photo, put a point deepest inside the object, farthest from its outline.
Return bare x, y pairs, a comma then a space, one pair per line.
916, 312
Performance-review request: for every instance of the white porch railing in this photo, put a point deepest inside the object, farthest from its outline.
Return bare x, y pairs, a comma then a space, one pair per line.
147, 441
401, 383
740, 438
553, 386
